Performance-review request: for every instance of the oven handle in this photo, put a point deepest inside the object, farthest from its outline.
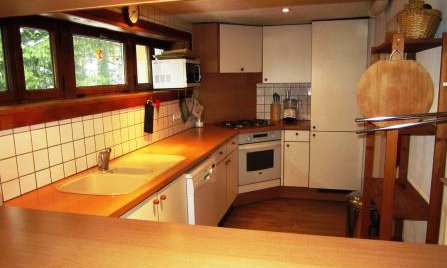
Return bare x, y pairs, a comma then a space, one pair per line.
259, 146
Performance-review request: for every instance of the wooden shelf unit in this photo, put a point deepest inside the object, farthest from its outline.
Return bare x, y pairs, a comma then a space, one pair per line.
395, 198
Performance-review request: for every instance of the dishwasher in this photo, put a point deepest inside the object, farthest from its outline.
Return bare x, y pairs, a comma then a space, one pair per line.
202, 190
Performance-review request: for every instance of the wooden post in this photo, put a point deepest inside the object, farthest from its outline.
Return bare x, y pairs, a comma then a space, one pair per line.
386, 213
439, 158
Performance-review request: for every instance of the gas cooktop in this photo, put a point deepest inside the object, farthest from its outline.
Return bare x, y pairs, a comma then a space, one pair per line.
253, 123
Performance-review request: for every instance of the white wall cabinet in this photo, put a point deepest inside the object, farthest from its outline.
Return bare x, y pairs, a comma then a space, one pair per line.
240, 49
169, 204
336, 160
287, 54
339, 57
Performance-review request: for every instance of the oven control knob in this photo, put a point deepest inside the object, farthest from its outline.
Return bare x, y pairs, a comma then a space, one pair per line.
248, 139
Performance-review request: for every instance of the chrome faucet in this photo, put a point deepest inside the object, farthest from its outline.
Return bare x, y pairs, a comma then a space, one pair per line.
103, 159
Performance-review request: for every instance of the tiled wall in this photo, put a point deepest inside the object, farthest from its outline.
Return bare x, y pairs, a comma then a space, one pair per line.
34, 156
264, 97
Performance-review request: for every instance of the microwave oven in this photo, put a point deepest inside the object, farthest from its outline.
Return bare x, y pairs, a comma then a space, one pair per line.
175, 73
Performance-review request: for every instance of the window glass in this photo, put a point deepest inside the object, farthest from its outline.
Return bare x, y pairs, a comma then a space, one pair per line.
143, 64
37, 58
158, 51
3, 82
98, 61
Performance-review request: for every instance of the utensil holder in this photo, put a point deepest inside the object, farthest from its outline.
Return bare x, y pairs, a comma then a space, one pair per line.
275, 111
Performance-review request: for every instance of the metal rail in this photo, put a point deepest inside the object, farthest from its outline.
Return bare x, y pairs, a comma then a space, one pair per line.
400, 117
405, 125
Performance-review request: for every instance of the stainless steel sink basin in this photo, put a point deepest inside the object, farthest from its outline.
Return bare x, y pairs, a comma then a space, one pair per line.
125, 175
104, 184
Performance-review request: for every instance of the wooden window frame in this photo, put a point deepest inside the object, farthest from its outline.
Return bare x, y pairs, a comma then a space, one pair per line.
10, 94
150, 52
22, 94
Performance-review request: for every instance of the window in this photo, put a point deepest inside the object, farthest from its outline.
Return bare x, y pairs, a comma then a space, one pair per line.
98, 61
143, 64
3, 82
158, 51
37, 58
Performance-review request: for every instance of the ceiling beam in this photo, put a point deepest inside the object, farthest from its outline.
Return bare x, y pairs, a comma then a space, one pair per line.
14, 8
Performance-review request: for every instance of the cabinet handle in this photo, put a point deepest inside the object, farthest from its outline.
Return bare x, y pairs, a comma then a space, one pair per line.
221, 153
163, 197
313, 135
228, 162
314, 127
287, 145
156, 201
234, 143
296, 134
242, 69
265, 79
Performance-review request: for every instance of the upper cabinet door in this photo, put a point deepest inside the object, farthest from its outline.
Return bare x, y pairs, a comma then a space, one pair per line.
339, 57
240, 49
287, 54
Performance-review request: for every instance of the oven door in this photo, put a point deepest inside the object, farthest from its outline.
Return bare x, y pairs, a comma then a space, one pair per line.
259, 162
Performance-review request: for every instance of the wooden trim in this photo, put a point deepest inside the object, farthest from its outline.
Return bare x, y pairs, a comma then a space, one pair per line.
439, 158
142, 27
289, 192
28, 114
411, 45
404, 156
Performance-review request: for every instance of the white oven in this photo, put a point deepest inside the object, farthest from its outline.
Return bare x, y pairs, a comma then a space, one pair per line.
259, 157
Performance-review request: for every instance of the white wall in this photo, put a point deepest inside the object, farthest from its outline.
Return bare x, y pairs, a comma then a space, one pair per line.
422, 147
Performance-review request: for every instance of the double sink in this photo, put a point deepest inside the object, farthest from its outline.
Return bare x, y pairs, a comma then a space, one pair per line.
125, 175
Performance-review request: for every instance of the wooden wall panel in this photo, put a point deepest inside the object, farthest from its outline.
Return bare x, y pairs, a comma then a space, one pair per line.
229, 96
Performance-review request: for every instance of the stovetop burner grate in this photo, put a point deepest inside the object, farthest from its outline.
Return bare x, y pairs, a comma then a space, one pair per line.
246, 123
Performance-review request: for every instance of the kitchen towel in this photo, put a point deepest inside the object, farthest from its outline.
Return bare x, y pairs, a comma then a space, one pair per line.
149, 118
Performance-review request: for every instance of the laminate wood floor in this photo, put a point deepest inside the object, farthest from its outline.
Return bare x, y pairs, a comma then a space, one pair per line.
290, 215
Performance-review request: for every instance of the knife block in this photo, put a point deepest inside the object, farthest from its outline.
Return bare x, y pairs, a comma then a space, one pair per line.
275, 111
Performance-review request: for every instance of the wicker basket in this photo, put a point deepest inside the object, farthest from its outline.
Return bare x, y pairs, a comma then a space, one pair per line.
416, 22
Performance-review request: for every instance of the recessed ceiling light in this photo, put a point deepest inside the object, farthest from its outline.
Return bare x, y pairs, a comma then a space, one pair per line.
285, 10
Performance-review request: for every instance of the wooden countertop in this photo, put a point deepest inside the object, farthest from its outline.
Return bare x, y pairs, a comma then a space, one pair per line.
31, 238
195, 144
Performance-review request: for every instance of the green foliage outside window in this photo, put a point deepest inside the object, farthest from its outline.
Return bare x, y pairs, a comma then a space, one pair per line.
3, 85
98, 61
37, 58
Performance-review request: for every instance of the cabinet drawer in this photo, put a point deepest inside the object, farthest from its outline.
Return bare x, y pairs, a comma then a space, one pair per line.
232, 145
296, 135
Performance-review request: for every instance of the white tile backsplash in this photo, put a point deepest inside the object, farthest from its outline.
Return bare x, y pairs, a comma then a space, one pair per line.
55, 150
23, 142
25, 164
7, 146
8, 168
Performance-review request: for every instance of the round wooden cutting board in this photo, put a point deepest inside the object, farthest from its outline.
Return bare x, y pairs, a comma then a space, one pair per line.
389, 88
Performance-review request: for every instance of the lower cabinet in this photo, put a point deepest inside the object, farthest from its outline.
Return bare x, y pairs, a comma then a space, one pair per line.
336, 160
220, 173
296, 164
232, 177
169, 204
296, 158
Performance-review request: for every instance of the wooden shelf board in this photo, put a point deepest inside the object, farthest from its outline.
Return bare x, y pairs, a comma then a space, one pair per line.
411, 45
408, 204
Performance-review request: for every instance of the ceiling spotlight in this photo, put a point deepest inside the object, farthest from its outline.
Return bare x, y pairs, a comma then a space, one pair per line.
285, 10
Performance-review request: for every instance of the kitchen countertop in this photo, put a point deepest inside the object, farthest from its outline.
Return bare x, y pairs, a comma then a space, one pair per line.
195, 144
43, 239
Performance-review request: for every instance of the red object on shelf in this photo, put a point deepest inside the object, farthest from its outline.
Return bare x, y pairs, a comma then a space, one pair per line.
157, 103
